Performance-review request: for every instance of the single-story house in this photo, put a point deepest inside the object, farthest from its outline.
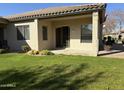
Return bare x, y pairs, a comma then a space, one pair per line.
76, 27
115, 34
122, 34
112, 34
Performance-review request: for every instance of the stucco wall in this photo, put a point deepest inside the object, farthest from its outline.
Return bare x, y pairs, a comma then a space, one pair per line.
45, 44
11, 33
36, 40
122, 35
75, 32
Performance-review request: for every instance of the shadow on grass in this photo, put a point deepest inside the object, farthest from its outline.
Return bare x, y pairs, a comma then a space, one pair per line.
50, 77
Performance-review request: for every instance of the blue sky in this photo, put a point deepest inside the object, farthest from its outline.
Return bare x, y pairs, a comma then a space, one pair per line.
15, 8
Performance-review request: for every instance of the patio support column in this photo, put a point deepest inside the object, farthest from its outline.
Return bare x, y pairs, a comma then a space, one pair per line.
95, 36
35, 35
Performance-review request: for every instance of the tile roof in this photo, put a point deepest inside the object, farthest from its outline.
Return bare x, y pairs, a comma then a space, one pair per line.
56, 11
122, 31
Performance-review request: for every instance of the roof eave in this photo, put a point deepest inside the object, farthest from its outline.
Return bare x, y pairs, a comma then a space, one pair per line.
53, 16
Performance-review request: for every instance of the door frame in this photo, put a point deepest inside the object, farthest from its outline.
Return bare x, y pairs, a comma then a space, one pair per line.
60, 35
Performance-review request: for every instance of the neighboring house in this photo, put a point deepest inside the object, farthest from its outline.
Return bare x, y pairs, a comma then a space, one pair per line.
115, 34
112, 34
69, 27
122, 34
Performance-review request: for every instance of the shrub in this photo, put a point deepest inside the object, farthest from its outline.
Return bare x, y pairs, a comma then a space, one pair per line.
43, 52
46, 52
3, 51
33, 52
116, 40
119, 37
30, 52
108, 43
25, 48
123, 41
113, 41
104, 40
36, 52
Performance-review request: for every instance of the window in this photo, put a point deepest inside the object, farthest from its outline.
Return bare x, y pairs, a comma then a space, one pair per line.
86, 33
23, 32
44, 29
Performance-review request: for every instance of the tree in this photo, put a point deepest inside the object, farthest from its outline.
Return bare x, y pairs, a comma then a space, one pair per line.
110, 24
119, 17
114, 21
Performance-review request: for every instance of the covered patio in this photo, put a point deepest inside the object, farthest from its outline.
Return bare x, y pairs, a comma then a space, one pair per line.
64, 34
3, 24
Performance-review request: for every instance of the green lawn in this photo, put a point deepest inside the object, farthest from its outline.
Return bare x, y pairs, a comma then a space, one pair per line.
60, 72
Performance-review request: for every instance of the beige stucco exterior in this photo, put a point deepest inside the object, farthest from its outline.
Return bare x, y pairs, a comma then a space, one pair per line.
11, 35
73, 22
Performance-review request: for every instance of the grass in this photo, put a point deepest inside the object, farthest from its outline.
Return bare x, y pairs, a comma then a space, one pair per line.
19, 71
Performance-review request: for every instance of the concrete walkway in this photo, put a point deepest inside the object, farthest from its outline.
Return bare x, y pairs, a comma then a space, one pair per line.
68, 52
116, 55
112, 54
116, 52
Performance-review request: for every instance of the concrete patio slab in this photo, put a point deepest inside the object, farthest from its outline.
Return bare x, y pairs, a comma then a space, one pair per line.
112, 54
71, 52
